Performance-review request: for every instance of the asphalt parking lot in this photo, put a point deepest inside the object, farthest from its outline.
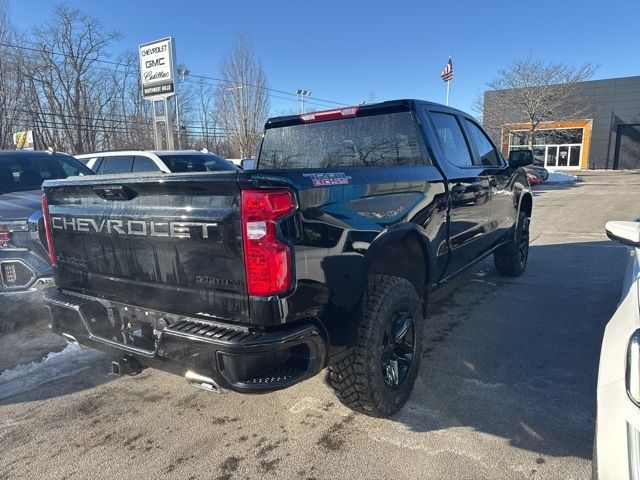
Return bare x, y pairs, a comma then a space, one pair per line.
506, 389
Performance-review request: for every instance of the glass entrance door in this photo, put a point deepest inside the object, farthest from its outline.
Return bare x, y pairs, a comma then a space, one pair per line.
551, 158
563, 156
574, 156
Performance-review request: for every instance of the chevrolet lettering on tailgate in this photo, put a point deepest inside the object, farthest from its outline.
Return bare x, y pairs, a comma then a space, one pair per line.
131, 227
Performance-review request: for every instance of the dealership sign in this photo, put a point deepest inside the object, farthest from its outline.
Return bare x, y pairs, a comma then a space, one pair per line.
157, 68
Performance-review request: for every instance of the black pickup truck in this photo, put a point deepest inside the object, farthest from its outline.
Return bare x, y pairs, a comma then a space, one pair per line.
323, 256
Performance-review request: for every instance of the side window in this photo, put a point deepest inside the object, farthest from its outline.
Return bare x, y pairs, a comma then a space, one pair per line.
112, 165
452, 139
486, 152
144, 164
95, 165
71, 170
87, 160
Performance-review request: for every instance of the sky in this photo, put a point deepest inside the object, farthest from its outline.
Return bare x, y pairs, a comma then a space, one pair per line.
352, 51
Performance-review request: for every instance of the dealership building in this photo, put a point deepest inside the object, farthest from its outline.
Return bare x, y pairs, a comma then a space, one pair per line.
608, 139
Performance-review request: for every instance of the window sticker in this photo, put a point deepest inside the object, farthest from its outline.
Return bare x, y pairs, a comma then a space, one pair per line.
326, 179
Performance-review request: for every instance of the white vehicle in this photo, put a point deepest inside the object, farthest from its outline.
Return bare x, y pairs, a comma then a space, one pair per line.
616, 452
168, 161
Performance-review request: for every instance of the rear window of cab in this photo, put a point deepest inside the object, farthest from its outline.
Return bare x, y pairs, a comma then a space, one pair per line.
385, 140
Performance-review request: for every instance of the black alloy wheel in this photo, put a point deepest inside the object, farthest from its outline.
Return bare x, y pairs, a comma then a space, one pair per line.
398, 348
511, 259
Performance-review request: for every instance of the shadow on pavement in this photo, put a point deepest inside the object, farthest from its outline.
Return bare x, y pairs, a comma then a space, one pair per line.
518, 358
513, 358
552, 187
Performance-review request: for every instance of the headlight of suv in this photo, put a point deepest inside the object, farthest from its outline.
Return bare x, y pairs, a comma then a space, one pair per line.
633, 368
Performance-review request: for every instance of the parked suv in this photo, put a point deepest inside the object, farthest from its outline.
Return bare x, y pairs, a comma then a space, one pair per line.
137, 161
616, 446
24, 261
322, 256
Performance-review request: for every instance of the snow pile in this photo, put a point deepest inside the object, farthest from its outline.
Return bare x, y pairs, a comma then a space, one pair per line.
54, 366
560, 177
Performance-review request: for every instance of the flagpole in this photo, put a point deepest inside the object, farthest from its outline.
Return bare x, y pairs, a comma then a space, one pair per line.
448, 82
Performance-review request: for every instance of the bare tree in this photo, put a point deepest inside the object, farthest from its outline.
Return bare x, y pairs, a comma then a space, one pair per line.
204, 97
129, 113
70, 93
11, 104
530, 91
242, 99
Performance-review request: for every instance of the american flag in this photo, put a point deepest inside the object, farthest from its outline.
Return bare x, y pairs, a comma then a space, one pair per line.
447, 73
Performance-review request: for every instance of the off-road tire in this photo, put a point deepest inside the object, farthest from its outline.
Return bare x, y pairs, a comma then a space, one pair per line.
358, 380
511, 259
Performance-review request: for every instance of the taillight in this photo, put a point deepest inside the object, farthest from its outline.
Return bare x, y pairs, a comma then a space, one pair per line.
267, 259
330, 114
47, 229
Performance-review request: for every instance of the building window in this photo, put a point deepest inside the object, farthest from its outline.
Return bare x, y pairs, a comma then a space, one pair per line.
552, 147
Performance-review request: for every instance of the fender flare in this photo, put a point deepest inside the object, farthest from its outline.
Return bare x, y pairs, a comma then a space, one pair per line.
403, 232
525, 192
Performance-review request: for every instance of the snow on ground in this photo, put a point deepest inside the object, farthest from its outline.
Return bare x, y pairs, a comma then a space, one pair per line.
56, 365
560, 177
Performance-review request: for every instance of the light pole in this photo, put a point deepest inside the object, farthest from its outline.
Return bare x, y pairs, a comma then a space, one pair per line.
302, 96
182, 75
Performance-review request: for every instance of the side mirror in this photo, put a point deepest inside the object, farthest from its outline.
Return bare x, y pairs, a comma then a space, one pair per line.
248, 163
626, 233
520, 158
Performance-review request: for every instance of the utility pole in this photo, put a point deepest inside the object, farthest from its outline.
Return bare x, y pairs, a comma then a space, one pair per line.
182, 75
302, 96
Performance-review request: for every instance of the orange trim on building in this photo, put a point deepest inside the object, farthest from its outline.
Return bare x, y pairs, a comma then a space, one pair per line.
586, 125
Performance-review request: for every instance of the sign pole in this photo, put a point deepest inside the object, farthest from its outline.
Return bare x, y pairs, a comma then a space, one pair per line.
168, 125
177, 121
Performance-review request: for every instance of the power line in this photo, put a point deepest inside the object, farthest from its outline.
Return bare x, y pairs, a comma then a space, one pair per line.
107, 124
121, 130
203, 77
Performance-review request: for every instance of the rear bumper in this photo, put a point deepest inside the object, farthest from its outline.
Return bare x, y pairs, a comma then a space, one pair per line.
236, 358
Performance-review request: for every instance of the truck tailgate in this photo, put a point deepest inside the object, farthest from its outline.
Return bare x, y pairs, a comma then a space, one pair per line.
163, 242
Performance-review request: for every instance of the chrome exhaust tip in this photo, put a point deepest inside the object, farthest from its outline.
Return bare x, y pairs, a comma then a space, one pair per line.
71, 339
200, 381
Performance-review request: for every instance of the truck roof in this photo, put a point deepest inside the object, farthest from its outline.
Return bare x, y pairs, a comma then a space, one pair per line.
406, 104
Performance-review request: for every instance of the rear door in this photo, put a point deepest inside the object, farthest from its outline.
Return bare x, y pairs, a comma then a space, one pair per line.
469, 190
166, 243
495, 170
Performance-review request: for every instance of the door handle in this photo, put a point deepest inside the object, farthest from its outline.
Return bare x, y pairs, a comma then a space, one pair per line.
458, 189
